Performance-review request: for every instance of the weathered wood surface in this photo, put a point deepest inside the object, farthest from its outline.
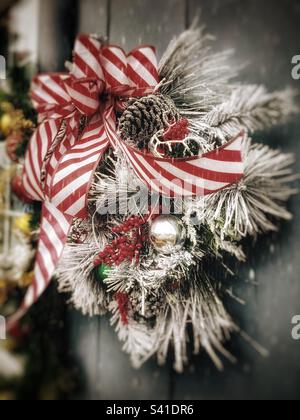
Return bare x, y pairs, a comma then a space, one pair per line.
107, 370
93, 17
266, 36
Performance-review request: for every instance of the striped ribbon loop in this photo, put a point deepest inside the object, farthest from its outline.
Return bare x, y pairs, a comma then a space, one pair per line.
61, 159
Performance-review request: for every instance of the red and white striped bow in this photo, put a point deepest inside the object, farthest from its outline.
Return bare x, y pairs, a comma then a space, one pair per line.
61, 159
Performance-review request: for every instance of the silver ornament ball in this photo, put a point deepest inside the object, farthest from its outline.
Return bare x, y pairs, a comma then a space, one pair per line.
167, 234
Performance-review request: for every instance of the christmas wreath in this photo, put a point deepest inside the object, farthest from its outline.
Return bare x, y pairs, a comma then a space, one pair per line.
149, 178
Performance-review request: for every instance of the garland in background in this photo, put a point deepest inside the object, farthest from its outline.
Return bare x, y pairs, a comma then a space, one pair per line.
121, 119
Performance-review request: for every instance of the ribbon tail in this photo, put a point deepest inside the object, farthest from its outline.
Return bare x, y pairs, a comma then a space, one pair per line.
55, 228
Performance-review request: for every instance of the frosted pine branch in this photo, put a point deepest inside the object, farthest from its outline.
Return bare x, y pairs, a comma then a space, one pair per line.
253, 205
194, 77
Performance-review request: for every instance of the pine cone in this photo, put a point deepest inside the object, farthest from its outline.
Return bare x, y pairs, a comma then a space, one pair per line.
146, 116
153, 305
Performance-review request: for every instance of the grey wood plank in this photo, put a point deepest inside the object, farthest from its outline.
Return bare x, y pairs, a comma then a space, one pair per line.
135, 22
93, 16
265, 34
84, 352
117, 380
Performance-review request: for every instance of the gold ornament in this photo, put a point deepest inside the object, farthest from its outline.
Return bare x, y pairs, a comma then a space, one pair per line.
167, 234
13, 120
6, 124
